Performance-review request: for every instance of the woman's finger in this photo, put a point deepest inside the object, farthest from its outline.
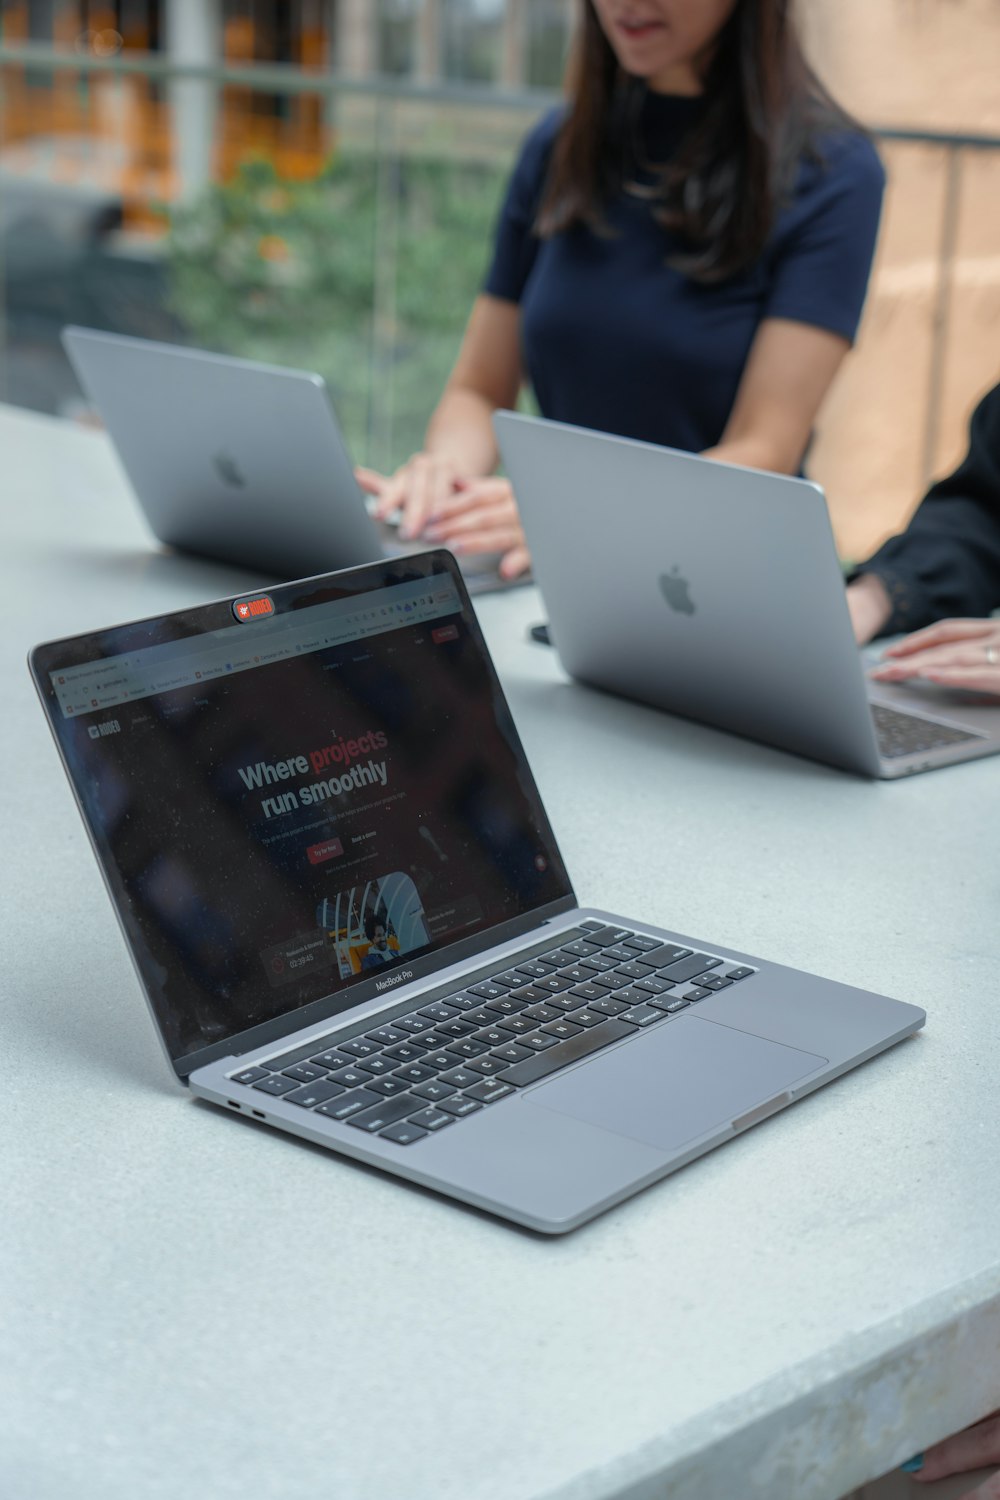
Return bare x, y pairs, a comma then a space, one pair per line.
944, 630
370, 480
515, 562
975, 1448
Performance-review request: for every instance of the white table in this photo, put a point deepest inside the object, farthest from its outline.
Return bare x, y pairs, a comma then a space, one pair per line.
196, 1307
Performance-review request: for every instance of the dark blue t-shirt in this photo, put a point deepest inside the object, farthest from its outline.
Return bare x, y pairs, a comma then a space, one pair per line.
615, 339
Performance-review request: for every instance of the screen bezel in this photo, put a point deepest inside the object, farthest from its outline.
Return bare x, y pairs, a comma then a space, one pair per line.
77, 650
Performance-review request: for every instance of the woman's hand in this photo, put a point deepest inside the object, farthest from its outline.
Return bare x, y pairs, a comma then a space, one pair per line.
976, 1448
481, 516
954, 653
416, 489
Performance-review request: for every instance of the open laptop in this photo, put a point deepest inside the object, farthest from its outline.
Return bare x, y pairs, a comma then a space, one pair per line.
237, 461
351, 920
715, 592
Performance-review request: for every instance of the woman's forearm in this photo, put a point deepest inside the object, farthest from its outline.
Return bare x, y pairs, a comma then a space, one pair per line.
461, 430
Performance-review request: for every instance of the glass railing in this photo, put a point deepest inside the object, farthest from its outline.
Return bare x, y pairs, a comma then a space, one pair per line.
344, 226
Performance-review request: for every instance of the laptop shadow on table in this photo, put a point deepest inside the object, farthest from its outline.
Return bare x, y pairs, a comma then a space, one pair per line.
160, 566
577, 705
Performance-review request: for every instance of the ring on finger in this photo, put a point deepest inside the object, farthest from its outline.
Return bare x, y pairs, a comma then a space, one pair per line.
992, 655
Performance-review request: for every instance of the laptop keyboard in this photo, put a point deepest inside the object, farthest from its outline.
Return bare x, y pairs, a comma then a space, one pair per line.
424, 1067
904, 734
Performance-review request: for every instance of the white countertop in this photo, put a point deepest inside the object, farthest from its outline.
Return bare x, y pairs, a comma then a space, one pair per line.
192, 1306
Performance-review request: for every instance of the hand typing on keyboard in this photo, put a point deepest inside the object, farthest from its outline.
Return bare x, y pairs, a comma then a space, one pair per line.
952, 653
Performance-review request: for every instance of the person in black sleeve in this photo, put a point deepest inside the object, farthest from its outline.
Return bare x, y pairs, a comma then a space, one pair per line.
945, 564
682, 258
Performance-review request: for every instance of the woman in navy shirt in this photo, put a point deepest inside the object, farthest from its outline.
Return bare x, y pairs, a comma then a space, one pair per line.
682, 257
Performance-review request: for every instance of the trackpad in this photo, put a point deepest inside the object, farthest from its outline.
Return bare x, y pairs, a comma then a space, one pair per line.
676, 1082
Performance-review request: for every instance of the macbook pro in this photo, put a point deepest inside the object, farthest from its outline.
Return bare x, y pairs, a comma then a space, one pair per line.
351, 921
715, 592
234, 460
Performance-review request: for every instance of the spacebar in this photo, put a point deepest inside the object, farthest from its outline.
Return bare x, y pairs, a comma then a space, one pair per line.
554, 1058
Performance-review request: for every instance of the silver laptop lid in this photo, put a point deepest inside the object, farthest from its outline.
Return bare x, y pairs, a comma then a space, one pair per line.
302, 798
707, 589
234, 460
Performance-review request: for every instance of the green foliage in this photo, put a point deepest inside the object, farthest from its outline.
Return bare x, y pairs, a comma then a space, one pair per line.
365, 274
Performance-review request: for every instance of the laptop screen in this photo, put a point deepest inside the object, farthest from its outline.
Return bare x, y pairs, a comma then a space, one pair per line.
301, 795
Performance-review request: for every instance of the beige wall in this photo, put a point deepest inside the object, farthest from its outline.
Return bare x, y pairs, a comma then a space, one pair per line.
914, 64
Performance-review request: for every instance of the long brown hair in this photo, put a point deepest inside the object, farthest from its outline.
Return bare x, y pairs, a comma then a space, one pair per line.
763, 107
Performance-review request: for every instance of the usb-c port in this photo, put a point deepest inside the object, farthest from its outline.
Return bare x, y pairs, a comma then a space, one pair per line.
257, 1114
233, 1105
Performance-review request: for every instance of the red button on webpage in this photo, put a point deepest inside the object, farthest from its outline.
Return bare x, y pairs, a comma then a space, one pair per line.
444, 633
319, 852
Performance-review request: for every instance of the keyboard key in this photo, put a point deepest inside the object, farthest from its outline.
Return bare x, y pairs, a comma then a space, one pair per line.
249, 1075
654, 985
591, 926
351, 1077
577, 974
385, 1035
512, 1052
460, 1078
359, 1046
489, 1090
487, 1066
387, 1087
431, 1119
570, 1001
488, 990
581, 949
606, 936
554, 984
332, 1059
385, 1112
642, 944
536, 969
414, 1024
415, 1073
667, 953
695, 994
687, 968
433, 1090
740, 973
541, 1013
350, 1104
463, 1002
494, 1036
563, 1028
459, 1027
712, 981
438, 1060
305, 1073
405, 1052
377, 1065
620, 953
588, 991
277, 1085
404, 1134
633, 970
468, 1047
533, 1068
519, 1025
633, 996
509, 1005
510, 977
609, 1005
460, 1106
675, 1005
643, 1015
439, 1011
315, 1093
597, 964
588, 1017
537, 1041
